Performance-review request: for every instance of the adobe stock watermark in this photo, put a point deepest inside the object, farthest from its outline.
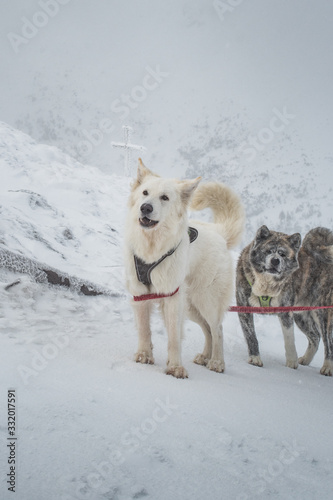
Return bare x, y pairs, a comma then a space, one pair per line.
273, 470
129, 442
41, 358
31, 27
122, 107
225, 7
257, 143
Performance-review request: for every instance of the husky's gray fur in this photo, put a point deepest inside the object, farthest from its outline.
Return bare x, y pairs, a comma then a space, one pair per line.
276, 265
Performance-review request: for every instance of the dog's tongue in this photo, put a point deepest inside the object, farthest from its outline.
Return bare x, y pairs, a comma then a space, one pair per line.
147, 222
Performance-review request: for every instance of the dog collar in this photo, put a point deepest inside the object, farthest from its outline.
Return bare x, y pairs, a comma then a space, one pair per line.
265, 300
143, 270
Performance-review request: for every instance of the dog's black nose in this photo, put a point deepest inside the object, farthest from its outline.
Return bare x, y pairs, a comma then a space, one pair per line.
275, 262
146, 209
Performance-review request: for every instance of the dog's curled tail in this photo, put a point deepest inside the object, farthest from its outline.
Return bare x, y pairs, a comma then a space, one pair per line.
319, 243
227, 208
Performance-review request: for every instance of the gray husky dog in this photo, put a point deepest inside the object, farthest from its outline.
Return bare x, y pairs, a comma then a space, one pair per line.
276, 270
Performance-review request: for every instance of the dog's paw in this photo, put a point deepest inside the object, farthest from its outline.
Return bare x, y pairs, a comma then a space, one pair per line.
176, 371
303, 361
292, 363
255, 360
144, 357
327, 368
200, 359
216, 365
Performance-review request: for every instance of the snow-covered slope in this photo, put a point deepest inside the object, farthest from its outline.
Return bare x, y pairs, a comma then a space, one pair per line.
281, 184
239, 91
91, 423
57, 211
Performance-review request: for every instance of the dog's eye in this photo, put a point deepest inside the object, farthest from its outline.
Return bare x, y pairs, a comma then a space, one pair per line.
281, 253
145, 192
164, 197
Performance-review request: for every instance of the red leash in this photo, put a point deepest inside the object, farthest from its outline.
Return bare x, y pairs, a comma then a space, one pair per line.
152, 296
239, 309
274, 310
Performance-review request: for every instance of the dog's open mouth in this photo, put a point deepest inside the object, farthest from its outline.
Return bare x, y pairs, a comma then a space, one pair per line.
145, 222
272, 270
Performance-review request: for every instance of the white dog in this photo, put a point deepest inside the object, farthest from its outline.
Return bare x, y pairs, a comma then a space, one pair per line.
186, 278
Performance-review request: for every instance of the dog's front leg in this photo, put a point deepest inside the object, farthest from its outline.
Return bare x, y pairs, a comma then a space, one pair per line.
287, 324
173, 313
142, 312
247, 323
216, 363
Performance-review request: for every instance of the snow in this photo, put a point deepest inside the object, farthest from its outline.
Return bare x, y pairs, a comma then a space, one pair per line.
206, 94
94, 424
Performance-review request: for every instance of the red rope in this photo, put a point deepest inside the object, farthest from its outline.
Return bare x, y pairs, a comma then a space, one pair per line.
239, 309
274, 310
151, 296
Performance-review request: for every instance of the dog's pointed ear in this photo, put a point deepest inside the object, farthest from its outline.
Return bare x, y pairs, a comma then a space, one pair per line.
262, 234
143, 171
295, 241
187, 188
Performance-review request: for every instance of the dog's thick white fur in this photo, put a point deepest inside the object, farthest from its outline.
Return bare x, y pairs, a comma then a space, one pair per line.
157, 222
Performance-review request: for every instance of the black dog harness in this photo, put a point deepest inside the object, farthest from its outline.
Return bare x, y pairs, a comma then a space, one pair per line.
143, 270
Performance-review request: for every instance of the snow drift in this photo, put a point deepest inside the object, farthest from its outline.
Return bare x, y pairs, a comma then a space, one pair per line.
92, 424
